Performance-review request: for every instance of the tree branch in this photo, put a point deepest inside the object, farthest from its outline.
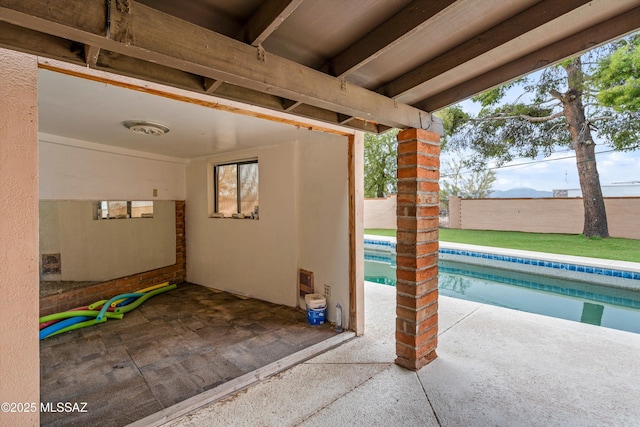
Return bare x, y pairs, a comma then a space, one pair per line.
595, 119
556, 94
530, 119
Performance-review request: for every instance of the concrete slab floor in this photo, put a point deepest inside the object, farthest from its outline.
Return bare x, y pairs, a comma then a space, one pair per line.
495, 367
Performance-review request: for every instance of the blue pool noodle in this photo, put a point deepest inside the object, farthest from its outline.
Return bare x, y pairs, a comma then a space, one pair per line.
62, 324
116, 298
127, 301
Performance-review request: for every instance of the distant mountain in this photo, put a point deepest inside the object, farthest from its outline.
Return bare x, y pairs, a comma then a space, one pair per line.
520, 193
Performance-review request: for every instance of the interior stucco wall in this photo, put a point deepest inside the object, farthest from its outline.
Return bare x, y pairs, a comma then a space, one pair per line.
323, 211
98, 250
247, 257
303, 223
19, 367
88, 171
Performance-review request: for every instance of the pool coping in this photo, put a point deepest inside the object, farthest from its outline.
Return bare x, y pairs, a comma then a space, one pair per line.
602, 269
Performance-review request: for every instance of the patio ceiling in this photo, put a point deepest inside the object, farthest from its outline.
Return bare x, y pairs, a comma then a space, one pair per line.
368, 65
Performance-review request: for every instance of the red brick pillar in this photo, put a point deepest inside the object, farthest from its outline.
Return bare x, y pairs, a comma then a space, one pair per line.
417, 248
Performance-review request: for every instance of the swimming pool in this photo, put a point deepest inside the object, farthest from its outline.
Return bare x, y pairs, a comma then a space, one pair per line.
572, 300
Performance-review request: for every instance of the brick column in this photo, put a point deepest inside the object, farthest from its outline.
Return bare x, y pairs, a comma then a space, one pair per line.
417, 248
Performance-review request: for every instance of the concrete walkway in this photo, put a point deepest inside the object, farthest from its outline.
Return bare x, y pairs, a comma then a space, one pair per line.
495, 367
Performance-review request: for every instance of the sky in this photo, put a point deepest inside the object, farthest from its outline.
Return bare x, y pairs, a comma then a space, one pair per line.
559, 171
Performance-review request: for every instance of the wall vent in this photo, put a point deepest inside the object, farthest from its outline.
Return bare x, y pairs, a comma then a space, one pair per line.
306, 282
51, 264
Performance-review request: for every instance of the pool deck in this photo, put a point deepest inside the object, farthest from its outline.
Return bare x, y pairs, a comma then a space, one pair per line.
495, 367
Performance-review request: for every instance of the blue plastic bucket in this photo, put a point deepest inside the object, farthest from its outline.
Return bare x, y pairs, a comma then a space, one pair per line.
316, 316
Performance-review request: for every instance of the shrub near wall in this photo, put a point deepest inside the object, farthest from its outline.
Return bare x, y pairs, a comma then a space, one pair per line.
543, 215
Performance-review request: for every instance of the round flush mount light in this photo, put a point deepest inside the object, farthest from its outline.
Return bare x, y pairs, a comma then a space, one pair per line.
143, 127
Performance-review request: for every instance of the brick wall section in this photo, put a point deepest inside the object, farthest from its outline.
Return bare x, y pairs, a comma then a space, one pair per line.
79, 297
417, 248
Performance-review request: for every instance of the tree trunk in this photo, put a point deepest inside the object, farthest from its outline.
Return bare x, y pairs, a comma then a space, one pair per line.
595, 216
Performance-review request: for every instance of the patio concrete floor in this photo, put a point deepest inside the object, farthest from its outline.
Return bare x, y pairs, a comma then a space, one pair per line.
495, 367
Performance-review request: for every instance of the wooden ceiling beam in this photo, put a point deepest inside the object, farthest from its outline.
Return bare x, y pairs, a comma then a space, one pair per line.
384, 37
266, 20
33, 42
211, 85
584, 40
146, 34
91, 54
525, 21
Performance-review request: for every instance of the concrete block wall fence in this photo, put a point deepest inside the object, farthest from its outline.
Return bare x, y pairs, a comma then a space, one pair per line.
542, 215
539, 215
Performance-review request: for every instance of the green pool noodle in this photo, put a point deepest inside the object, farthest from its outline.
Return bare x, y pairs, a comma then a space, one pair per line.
97, 304
141, 291
127, 308
107, 305
67, 314
78, 326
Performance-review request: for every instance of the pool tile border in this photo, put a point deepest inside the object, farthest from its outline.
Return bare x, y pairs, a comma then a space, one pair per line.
389, 245
623, 274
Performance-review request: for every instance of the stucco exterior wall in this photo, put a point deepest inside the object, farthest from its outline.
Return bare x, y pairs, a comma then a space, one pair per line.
19, 359
544, 215
380, 213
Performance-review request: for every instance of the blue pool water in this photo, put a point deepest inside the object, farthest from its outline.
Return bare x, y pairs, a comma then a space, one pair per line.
583, 302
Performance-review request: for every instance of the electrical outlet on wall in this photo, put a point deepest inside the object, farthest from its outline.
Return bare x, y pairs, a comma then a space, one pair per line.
327, 290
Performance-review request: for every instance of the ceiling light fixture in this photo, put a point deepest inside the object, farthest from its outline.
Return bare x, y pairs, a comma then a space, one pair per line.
143, 127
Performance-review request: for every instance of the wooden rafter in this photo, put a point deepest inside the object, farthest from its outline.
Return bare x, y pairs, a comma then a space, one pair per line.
211, 85
145, 34
386, 36
91, 54
525, 21
266, 20
579, 42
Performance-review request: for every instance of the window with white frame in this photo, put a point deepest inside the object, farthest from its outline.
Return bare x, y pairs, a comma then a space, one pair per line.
236, 189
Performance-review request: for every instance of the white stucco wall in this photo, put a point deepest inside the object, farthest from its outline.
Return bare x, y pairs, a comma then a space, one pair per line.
303, 223
323, 209
80, 170
19, 347
248, 257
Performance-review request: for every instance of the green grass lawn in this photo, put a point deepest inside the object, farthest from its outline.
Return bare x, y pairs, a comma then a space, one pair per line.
566, 244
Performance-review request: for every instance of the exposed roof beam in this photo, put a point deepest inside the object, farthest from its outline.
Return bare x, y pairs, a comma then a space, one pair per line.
91, 54
386, 36
525, 21
266, 20
290, 105
211, 85
146, 34
579, 42
34, 42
